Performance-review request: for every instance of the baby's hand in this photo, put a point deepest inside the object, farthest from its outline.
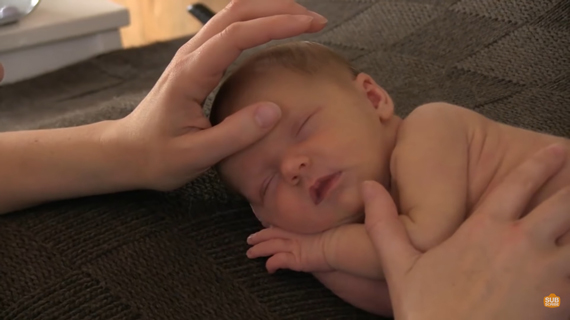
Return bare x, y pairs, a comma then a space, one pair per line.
298, 252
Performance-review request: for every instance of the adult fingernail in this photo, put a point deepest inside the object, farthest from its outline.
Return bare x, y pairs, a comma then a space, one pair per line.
267, 114
303, 18
368, 190
557, 149
319, 17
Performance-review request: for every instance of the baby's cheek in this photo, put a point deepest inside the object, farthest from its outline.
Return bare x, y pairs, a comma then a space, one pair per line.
350, 202
291, 208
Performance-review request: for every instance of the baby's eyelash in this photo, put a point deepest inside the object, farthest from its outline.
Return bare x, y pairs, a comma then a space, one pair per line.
303, 124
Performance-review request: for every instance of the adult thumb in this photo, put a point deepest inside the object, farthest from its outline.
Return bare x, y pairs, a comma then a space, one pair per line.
235, 133
387, 232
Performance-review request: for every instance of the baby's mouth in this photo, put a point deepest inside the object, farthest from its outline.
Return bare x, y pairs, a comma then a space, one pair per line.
320, 189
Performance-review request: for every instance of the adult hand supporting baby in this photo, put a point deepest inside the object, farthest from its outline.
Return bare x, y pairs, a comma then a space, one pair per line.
496, 266
166, 141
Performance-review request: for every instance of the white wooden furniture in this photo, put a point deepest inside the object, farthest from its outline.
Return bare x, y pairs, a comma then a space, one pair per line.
59, 33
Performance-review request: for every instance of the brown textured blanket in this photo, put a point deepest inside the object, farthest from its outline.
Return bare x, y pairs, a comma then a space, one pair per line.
181, 255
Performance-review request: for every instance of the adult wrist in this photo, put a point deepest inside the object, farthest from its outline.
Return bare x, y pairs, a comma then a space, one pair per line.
126, 155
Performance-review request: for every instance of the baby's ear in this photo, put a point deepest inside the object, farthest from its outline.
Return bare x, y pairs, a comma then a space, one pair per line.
378, 97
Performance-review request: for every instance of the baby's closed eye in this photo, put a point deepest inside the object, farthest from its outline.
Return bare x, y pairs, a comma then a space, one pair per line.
307, 126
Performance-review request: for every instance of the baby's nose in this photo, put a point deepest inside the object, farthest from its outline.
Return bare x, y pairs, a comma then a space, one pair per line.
293, 167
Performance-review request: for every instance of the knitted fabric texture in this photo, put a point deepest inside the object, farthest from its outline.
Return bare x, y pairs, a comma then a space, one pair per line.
181, 254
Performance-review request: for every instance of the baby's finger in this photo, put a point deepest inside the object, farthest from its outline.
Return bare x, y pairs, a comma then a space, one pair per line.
248, 10
268, 234
269, 248
283, 260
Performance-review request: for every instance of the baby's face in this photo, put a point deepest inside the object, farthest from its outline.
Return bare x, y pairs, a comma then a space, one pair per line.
305, 175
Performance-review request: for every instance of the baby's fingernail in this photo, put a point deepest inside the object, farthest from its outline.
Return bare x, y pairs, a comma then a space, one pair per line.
267, 114
319, 17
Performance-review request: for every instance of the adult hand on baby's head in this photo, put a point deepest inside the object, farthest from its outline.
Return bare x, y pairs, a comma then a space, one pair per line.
175, 141
496, 266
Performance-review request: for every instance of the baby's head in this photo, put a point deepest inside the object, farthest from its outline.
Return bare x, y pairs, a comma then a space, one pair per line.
337, 130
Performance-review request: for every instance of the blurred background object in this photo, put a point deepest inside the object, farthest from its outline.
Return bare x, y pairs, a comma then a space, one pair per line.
161, 20
14, 10
201, 12
63, 32
60, 33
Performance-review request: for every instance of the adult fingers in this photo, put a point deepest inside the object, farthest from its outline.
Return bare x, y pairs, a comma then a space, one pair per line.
551, 219
1, 72
204, 67
269, 248
245, 10
564, 260
510, 198
396, 252
236, 132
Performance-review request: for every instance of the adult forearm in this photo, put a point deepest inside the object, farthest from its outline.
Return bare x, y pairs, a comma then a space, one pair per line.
44, 165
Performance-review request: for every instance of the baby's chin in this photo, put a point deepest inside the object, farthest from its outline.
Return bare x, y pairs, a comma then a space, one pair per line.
353, 213
347, 212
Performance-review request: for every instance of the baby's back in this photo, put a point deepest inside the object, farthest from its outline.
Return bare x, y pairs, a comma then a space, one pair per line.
496, 149
448, 158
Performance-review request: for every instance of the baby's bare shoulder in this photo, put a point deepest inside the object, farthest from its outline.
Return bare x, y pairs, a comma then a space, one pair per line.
441, 115
440, 111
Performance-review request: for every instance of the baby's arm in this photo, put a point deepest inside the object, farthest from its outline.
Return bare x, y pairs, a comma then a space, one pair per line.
365, 294
430, 167
308, 253
348, 249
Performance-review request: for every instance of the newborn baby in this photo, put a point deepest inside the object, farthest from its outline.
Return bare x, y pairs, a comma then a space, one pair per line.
338, 129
